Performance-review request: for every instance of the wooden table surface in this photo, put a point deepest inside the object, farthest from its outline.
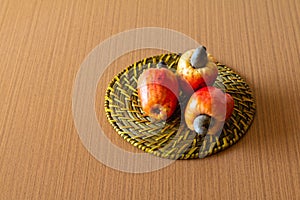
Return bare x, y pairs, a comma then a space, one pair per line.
42, 46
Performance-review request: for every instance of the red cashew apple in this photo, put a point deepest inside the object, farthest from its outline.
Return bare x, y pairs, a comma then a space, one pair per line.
158, 92
196, 70
207, 109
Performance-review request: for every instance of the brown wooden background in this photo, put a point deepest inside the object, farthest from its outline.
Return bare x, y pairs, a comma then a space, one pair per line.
43, 43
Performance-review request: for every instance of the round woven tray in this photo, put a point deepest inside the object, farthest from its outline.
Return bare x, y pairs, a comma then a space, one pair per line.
172, 139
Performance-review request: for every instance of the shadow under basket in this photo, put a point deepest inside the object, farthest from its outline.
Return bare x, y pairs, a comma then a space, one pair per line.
172, 139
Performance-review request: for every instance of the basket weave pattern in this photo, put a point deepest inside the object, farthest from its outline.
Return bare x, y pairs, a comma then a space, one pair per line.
172, 139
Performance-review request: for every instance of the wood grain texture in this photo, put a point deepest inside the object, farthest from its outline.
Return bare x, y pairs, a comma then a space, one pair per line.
42, 45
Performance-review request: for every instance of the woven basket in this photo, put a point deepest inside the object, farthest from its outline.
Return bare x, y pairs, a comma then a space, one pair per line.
172, 139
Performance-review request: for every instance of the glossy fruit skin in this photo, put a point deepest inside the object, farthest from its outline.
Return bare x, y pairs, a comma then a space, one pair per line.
158, 92
210, 101
192, 78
